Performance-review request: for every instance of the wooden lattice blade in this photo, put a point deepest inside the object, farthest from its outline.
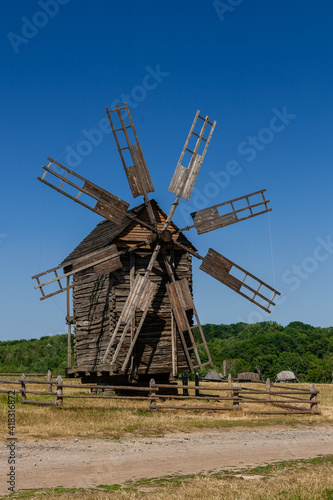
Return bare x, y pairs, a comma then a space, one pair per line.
107, 259
177, 301
106, 204
140, 297
184, 178
136, 299
235, 210
144, 306
131, 155
181, 301
224, 270
146, 294
100, 262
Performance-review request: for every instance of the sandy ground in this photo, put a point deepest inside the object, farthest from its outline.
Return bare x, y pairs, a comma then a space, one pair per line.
90, 462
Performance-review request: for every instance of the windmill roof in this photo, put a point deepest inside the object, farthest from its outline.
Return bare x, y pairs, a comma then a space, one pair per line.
106, 232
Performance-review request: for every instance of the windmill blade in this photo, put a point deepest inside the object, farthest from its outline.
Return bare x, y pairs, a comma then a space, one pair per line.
181, 301
220, 268
149, 297
137, 174
107, 205
139, 298
183, 180
100, 262
130, 307
234, 211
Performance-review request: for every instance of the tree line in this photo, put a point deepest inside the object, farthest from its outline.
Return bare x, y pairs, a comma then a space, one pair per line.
271, 348
266, 346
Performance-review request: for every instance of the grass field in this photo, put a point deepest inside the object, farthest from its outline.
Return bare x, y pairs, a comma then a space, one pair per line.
117, 418
112, 419
292, 480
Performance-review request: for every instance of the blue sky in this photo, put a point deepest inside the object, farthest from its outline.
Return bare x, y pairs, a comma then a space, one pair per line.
263, 70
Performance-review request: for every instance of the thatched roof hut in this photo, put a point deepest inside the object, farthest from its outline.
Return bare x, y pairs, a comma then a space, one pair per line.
213, 376
248, 377
285, 376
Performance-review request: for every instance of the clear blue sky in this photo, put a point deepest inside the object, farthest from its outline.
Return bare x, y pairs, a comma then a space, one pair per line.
263, 70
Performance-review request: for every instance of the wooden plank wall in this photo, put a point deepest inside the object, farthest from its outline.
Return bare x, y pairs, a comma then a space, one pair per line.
98, 304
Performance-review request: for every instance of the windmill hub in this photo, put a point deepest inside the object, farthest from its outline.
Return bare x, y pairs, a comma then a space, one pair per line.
166, 236
152, 238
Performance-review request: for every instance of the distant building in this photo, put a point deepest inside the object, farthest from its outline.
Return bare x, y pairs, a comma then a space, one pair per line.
286, 376
248, 377
213, 376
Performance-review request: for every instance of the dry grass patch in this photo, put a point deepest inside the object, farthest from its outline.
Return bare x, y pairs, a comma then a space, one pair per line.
116, 418
294, 480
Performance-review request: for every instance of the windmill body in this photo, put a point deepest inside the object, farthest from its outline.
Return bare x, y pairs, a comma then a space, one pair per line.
131, 277
98, 303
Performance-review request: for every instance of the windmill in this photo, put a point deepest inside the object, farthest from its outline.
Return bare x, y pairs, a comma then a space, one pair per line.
131, 278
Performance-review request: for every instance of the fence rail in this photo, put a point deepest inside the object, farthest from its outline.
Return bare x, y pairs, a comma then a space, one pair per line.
19, 374
286, 400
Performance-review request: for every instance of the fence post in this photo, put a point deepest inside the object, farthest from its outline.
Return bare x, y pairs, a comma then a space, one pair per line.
152, 394
313, 398
230, 385
268, 389
59, 392
235, 393
185, 382
23, 388
197, 391
49, 379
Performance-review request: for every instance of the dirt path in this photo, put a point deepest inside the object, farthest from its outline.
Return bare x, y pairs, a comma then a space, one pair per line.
89, 462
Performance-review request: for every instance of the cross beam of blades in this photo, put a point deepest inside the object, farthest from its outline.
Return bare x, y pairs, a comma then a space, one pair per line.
220, 268
235, 210
107, 205
184, 178
137, 174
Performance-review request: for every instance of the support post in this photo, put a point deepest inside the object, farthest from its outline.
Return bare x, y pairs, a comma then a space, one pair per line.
268, 389
185, 382
313, 398
230, 385
23, 388
197, 391
132, 279
174, 347
235, 391
49, 379
69, 326
224, 368
152, 394
59, 392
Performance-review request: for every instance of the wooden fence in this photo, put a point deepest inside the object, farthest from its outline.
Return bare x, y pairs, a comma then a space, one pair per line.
46, 375
218, 397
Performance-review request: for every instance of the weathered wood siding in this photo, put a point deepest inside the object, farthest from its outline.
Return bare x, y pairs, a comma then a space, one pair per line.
98, 304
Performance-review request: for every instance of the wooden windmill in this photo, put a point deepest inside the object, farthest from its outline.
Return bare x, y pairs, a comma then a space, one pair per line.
131, 277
